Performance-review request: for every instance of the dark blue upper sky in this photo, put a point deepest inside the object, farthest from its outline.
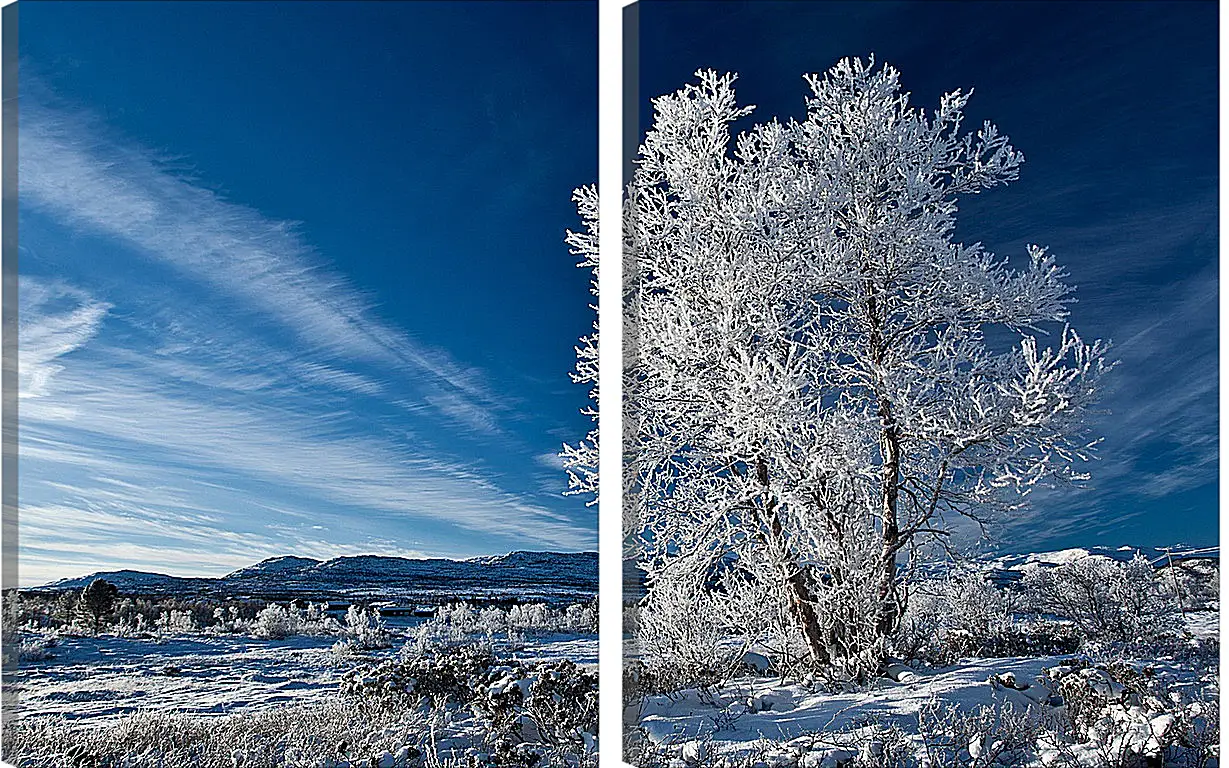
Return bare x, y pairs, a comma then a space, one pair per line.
294, 279
1114, 105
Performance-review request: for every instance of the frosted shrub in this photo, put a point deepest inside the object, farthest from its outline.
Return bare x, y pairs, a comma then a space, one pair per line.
365, 629
276, 622
343, 653
452, 625
436, 677
38, 647
460, 617
174, 622
579, 617
225, 621
1119, 717
550, 705
316, 612
134, 626
553, 703
1107, 600
961, 614
323, 624
493, 620
531, 616
683, 633
984, 736
459, 623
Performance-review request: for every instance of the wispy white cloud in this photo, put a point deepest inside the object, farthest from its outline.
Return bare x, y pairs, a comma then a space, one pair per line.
325, 376
146, 445
68, 168
297, 451
64, 319
464, 411
551, 460
160, 431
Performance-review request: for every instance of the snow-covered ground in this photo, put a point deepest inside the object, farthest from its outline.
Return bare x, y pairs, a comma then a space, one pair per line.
100, 677
1204, 625
765, 709
766, 721
293, 703
741, 717
1110, 701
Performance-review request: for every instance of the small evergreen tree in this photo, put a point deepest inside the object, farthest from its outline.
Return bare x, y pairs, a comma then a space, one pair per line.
98, 599
65, 607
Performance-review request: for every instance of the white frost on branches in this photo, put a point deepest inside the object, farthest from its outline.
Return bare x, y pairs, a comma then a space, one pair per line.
817, 381
581, 460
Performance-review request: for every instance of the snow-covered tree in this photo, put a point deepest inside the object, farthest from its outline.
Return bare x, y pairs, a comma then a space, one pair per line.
820, 378
580, 460
366, 629
1106, 599
275, 622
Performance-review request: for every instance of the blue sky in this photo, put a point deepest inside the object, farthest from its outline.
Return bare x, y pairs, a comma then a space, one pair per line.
1114, 105
293, 280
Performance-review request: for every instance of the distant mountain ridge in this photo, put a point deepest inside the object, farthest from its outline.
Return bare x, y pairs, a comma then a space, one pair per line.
1006, 568
549, 576
1012, 567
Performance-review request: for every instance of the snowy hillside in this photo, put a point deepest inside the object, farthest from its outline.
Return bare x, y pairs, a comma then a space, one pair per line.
1013, 567
551, 576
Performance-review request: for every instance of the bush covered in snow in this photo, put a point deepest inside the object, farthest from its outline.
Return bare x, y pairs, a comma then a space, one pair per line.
364, 631
684, 637
439, 678
1106, 599
176, 623
153, 618
37, 647
1121, 714
948, 618
530, 709
461, 623
1052, 610
277, 622
964, 615
553, 703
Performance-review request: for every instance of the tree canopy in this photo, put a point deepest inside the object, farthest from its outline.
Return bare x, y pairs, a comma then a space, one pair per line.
819, 377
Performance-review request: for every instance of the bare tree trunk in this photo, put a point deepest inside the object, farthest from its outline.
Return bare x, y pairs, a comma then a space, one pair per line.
890, 606
802, 602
